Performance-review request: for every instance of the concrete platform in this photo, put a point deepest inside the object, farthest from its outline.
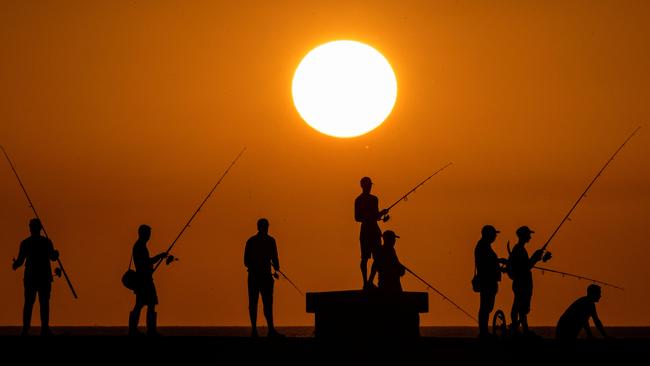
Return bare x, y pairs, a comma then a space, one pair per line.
367, 313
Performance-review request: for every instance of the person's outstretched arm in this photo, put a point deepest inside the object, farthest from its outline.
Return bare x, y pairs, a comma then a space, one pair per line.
159, 257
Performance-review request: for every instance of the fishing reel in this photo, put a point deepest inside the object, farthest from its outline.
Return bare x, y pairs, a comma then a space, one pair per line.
276, 275
170, 259
385, 218
58, 272
547, 256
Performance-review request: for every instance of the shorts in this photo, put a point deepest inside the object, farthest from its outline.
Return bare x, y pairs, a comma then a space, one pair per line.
146, 294
523, 297
369, 246
260, 284
42, 288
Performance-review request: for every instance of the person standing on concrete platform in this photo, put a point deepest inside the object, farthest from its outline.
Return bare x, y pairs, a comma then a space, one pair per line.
260, 254
36, 252
488, 276
387, 265
520, 270
576, 317
366, 211
145, 290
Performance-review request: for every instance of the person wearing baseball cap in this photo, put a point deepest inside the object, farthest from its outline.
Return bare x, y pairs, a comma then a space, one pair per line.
388, 266
487, 276
366, 211
521, 266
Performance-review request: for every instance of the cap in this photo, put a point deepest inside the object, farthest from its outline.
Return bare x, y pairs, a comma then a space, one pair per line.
524, 230
487, 229
389, 233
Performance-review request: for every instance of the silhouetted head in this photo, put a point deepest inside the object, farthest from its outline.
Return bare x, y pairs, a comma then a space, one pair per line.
35, 226
523, 233
389, 237
263, 226
489, 233
594, 292
144, 232
366, 184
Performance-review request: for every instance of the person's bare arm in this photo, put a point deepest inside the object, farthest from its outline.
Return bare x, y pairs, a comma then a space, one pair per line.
587, 329
21, 258
599, 325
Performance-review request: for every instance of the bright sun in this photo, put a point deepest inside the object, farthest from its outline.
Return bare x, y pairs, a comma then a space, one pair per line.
344, 88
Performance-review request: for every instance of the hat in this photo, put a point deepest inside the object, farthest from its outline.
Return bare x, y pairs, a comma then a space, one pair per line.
524, 230
487, 229
389, 233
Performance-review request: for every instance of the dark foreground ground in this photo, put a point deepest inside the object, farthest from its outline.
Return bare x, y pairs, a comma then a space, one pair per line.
214, 345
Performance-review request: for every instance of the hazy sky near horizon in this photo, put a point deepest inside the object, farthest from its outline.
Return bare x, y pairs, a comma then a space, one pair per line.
119, 113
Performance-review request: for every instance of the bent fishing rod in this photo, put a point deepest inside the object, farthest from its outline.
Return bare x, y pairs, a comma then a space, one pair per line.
199, 208
544, 269
584, 194
404, 197
291, 282
31, 205
440, 293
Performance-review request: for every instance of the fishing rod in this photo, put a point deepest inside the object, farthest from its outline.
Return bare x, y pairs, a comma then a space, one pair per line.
199, 208
588, 187
440, 293
544, 269
31, 205
404, 197
291, 282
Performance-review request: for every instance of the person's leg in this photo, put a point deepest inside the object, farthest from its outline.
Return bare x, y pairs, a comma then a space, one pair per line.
486, 307
134, 317
152, 329
364, 271
514, 313
44, 303
523, 319
267, 302
524, 310
253, 296
30, 298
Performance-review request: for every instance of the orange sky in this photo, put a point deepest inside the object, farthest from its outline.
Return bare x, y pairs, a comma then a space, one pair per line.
122, 113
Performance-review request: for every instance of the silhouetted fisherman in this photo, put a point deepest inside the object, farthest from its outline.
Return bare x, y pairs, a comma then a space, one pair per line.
36, 252
576, 317
145, 290
366, 211
522, 279
387, 265
488, 271
260, 254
